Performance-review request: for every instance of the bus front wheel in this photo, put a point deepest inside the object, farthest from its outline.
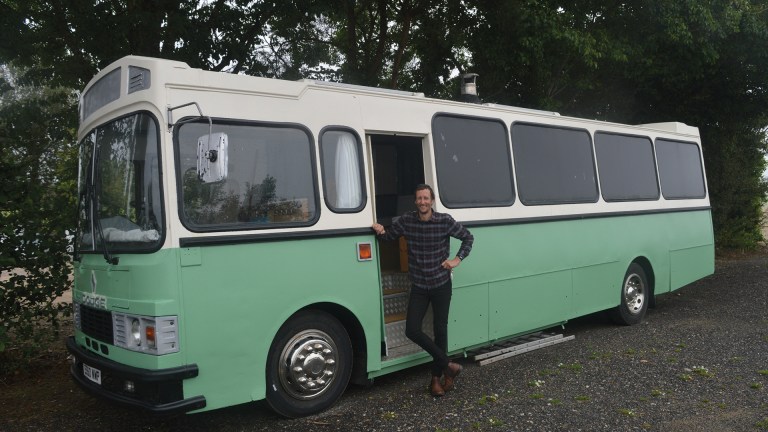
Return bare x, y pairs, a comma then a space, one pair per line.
635, 293
309, 364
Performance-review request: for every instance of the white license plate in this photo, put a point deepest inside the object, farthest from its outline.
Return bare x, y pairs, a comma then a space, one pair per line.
92, 373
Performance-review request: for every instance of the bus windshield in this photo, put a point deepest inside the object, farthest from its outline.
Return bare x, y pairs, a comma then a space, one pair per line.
120, 199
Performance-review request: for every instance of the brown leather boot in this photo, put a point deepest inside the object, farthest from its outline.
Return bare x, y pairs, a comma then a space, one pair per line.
451, 372
436, 388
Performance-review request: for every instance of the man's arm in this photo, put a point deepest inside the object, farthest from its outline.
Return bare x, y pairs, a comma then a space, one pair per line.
395, 230
458, 231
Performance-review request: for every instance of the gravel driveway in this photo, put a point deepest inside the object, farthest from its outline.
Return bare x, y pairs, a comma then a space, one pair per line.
699, 362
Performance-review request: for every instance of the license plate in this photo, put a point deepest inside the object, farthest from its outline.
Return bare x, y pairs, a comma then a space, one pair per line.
92, 373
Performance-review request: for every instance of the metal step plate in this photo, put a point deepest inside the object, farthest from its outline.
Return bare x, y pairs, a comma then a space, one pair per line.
517, 346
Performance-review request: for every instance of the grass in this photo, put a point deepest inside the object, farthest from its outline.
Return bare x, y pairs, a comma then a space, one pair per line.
596, 356
488, 399
702, 371
627, 412
495, 422
573, 367
763, 424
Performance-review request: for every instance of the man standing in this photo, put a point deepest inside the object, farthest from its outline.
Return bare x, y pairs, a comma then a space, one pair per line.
428, 234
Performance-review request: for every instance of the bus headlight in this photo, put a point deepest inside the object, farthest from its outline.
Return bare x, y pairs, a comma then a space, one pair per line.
151, 335
135, 332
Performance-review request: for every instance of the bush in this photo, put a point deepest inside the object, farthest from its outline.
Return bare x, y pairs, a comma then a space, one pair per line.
37, 211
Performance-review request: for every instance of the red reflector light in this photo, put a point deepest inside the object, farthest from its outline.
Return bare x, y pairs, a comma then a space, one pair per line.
364, 252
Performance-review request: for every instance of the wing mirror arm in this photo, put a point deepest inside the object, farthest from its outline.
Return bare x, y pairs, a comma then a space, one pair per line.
171, 124
212, 159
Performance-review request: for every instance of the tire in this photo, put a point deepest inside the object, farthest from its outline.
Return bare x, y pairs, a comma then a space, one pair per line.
309, 364
635, 296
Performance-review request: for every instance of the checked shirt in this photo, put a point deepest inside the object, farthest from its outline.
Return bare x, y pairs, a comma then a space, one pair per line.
429, 244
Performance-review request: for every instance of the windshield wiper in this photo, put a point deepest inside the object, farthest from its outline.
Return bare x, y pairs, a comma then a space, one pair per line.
76, 240
95, 206
100, 231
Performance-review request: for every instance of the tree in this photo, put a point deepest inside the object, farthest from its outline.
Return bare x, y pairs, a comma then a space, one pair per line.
37, 130
706, 64
67, 42
700, 63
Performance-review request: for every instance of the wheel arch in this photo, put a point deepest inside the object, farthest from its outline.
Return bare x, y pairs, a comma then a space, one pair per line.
356, 334
645, 263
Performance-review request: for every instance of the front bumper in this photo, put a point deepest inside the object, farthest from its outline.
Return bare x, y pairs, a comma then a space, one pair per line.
158, 391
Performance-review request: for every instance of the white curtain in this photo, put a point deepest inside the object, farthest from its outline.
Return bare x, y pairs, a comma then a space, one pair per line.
349, 194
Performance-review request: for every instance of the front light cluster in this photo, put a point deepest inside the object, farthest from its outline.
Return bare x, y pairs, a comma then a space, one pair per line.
151, 335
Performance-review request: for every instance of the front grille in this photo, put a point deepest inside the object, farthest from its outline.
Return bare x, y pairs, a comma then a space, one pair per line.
96, 323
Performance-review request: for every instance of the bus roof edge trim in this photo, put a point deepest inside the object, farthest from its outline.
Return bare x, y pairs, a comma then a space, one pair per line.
361, 88
675, 127
519, 109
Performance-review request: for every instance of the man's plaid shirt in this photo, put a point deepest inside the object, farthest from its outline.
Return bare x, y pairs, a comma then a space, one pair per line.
429, 244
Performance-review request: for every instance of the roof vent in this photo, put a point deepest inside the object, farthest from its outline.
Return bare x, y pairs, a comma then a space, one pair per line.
469, 88
138, 79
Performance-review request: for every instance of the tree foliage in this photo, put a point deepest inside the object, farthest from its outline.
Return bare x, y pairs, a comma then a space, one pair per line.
37, 129
704, 63
700, 63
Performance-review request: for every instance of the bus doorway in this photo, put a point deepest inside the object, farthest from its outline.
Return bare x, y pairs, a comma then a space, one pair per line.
398, 167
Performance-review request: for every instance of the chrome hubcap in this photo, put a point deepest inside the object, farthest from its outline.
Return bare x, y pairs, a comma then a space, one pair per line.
308, 364
634, 294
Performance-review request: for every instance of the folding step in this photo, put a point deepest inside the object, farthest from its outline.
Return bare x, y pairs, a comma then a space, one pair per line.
517, 346
394, 282
395, 287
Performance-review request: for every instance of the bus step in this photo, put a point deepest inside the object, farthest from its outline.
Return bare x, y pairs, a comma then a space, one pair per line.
517, 346
402, 351
395, 283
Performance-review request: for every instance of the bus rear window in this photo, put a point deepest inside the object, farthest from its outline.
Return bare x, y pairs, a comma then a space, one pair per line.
680, 171
269, 181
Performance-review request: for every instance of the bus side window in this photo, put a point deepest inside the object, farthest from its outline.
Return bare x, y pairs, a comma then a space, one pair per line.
342, 171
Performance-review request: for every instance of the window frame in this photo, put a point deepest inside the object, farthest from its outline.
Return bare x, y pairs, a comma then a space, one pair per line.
700, 160
509, 165
161, 186
592, 159
653, 159
243, 226
360, 165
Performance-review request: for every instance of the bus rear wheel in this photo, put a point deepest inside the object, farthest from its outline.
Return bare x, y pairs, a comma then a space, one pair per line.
309, 364
635, 293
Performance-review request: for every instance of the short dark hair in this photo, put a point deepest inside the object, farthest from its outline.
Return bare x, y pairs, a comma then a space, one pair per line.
424, 186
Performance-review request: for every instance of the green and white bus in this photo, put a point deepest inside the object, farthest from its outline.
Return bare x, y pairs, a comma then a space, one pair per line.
225, 254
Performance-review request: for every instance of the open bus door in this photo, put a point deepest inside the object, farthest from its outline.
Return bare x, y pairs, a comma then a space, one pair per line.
397, 168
